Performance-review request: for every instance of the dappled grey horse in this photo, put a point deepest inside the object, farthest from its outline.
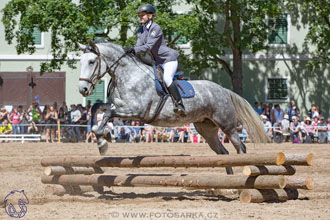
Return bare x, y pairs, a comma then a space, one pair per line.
134, 95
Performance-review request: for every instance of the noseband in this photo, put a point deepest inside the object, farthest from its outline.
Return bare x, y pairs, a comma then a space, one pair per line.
97, 75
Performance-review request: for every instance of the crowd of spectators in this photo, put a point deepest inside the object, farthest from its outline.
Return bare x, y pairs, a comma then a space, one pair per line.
290, 125
74, 125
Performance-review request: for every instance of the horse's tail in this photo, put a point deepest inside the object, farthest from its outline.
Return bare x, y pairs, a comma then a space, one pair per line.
250, 119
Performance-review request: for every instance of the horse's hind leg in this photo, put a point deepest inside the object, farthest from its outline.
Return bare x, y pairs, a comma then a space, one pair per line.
209, 130
236, 141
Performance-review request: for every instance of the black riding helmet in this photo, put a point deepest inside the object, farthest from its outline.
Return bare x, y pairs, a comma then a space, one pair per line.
149, 9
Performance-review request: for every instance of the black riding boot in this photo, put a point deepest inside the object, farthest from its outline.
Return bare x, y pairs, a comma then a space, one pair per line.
178, 104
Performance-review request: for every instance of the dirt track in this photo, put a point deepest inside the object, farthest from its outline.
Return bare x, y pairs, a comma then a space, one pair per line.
20, 170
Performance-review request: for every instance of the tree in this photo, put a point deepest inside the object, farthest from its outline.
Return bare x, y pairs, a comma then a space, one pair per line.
70, 21
318, 28
230, 27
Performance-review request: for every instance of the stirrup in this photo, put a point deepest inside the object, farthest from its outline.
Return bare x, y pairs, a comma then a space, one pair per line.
179, 110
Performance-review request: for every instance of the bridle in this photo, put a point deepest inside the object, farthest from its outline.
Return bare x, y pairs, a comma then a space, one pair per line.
97, 75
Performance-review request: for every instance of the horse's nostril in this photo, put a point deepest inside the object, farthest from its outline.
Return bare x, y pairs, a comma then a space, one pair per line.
85, 89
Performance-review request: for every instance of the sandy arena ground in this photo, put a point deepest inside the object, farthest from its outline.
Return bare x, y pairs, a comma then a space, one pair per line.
20, 170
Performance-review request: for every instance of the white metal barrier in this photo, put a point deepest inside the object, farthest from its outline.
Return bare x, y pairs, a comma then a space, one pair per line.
20, 137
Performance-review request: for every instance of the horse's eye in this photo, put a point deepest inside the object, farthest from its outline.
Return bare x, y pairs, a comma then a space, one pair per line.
91, 62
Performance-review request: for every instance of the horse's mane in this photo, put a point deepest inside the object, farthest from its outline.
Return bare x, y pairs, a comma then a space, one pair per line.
119, 48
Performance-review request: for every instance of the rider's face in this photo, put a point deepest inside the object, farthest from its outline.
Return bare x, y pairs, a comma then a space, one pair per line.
144, 17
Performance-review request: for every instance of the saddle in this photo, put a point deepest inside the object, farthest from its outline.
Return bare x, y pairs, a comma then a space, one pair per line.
185, 88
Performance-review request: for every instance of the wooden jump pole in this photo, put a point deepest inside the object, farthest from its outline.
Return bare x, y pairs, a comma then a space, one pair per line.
61, 190
168, 161
268, 170
59, 170
262, 195
199, 182
299, 159
299, 182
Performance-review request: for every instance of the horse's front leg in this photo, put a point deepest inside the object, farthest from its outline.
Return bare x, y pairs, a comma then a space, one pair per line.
103, 135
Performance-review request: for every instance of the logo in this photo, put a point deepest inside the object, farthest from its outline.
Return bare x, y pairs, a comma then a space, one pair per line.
15, 204
153, 34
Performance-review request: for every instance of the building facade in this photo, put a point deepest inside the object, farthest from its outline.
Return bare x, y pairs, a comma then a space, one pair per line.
275, 76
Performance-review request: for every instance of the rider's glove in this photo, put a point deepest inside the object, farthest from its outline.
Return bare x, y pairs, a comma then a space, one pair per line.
129, 50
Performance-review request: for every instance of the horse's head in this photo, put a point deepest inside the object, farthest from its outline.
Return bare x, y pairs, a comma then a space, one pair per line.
93, 68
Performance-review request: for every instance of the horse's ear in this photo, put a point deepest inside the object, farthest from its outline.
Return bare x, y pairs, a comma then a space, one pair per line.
91, 43
82, 46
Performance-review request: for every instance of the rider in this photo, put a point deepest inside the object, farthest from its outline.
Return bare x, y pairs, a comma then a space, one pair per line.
151, 40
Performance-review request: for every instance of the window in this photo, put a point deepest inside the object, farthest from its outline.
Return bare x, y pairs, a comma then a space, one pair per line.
38, 38
279, 30
277, 89
182, 40
98, 93
94, 31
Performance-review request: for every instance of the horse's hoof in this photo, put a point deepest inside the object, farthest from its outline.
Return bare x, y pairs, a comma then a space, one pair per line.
94, 128
103, 146
107, 136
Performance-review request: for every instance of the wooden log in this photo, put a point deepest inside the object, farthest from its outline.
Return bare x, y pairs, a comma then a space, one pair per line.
299, 159
262, 195
268, 170
59, 170
198, 182
168, 161
2, 199
299, 182
61, 190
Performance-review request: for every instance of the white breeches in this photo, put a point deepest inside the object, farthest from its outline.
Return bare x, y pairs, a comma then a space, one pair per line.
169, 72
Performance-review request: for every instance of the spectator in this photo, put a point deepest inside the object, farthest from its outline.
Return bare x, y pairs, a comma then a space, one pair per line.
181, 132
24, 121
135, 132
90, 134
3, 114
295, 130
267, 112
61, 118
148, 133
267, 126
32, 128
194, 136
308, 131
285, 125
14, 119
313, 112
291, 110
123, 136
5, 127
256, 108
278, 132
75, 117
51, 118
169, 134
159, 133
278, 114
36, 113
65, 107
315, 121
322, 131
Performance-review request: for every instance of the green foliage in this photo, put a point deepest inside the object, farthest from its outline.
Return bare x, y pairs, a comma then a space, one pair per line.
318, 13
246, 32
72, 21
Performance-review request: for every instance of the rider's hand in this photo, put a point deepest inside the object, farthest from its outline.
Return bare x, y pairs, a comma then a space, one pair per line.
129, 50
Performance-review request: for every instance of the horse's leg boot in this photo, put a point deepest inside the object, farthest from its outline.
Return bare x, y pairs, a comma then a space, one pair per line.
178, 104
